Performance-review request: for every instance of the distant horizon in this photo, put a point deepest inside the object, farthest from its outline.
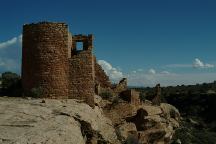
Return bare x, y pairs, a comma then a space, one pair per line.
148, 42
152, 86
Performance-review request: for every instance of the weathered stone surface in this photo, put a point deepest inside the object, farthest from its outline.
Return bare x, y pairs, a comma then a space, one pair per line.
119, 112
97, 100
53, 122
151, 110
154, 124
170, 111
100, 76
126, 129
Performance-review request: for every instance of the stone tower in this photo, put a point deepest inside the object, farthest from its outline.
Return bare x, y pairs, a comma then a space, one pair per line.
45, 59
52, 63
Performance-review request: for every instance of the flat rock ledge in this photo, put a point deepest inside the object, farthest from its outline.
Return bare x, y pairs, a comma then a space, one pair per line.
49, 121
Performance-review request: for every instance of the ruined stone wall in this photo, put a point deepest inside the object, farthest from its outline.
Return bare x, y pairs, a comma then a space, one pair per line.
121, 86
131, 96
45, 59
100, 76
135, 97
82, 76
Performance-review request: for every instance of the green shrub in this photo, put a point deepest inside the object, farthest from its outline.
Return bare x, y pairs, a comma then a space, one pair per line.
9, 79
142, 96
188, 134
36, 92
107, 95
11, 84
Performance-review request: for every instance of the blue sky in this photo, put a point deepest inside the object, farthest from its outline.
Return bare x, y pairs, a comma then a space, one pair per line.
149, 41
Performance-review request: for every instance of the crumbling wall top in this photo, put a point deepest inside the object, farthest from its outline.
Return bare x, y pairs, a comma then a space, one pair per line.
46, 23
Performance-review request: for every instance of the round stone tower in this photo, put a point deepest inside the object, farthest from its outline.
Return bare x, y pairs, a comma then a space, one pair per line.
45, 60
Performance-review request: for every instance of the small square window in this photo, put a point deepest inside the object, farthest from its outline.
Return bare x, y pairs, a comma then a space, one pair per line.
79, 45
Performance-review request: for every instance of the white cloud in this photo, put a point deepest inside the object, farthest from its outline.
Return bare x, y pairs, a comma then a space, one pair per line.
11, 42
179, 66
152, 77
20, 38
105, 65
9, 64
209, 65
8, 43
199, 64
166, 78
149, 78
165, 72
113, 73
152, 71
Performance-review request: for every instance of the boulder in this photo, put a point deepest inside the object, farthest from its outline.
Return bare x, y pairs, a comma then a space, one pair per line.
151, 109
170, 111
126, 129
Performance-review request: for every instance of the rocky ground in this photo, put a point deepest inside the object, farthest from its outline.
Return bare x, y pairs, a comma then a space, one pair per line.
144, 123
38, 121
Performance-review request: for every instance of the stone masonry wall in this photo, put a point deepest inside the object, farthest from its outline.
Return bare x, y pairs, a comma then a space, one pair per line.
131, 96
45, 59
100, 76
82, 76
121, 86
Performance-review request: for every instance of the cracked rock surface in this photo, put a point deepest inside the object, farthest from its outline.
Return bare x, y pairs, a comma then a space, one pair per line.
37, 121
